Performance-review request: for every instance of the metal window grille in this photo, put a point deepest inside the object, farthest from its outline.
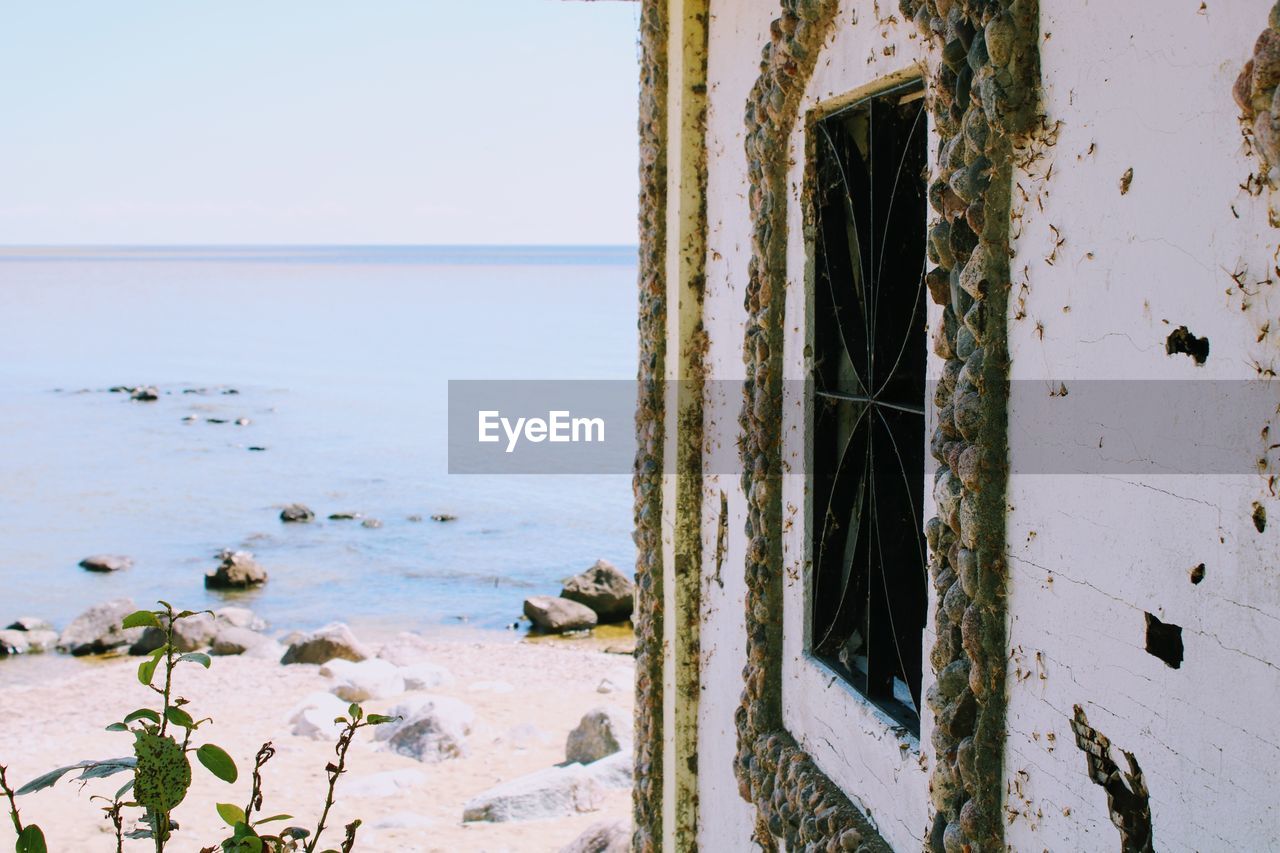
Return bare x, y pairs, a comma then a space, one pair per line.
869, 593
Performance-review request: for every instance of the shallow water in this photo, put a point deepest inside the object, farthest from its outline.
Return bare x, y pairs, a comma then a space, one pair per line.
340, 357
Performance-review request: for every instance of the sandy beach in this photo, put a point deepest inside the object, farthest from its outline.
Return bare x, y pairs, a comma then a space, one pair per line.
526, 697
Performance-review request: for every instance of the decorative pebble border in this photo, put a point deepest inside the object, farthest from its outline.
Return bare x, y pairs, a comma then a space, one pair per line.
647, 479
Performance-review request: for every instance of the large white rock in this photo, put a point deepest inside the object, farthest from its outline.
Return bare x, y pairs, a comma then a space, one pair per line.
554, 792
426, 676
554, 615
230, 640
386, 784
240, 617
608, 836
601, 732
360, 681
432, 729
332, 641
98, 629
616, 773
314, 716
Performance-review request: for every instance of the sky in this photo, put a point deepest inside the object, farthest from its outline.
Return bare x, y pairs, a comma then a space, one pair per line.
318, 121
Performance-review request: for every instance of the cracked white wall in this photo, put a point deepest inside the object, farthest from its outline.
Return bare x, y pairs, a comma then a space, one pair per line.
1143, 85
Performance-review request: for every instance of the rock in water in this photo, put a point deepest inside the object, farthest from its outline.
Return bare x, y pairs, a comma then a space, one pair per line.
371, 523
298, 513
350, 515
106, 563
554, 615
554, 792
443, 517
98, 630
237, 571
604, 837
145, 394
604, 589
601, 732
331, 641
189, 635
435, 732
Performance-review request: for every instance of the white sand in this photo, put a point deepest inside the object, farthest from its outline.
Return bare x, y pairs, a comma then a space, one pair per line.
520, 730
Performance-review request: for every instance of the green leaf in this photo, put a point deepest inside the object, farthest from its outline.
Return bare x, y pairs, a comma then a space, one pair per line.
124, 789
198, 657
31, 840
379, 719
117, 727
354, 710
143, 714
179, 717
103, 769
147, 670
163, 773
47, 780
216, 760
263, 820
141, 619
251, 843
231, 814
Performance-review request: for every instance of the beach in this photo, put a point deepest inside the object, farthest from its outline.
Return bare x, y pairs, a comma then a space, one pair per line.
526, 699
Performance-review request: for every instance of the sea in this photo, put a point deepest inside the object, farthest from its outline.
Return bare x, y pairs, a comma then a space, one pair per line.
338, 358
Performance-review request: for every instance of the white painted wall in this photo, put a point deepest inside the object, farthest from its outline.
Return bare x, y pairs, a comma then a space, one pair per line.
1148, 83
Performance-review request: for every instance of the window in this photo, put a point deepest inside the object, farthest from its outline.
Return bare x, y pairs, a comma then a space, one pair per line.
869, 587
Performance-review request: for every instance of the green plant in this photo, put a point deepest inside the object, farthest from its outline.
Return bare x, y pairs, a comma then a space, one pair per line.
162, 770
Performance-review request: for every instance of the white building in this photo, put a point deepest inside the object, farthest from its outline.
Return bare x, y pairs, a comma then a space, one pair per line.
878, 221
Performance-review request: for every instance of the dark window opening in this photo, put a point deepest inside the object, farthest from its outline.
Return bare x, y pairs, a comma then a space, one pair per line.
867, 472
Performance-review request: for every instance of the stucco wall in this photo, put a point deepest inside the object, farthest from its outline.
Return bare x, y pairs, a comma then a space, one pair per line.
1143, 85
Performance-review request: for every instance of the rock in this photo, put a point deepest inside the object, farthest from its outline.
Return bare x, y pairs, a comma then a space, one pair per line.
386, 784
233, 640
330, 642
414, 518
238, 570
241, 422
604, 589
443, 517
240, 617
145, 393
29, 623
363, 680
14, 643
604, 837
615, 773
314, 716
98, 630
426, 676
407, 650
555, 615
297, 513
554, 792
434, 729
601, 732
371, 523
189, 635
345, 516
106, 563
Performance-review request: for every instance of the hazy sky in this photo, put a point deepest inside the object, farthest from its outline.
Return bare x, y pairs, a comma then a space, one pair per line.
317, 121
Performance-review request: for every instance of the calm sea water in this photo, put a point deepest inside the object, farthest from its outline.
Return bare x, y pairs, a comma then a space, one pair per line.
340, 357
